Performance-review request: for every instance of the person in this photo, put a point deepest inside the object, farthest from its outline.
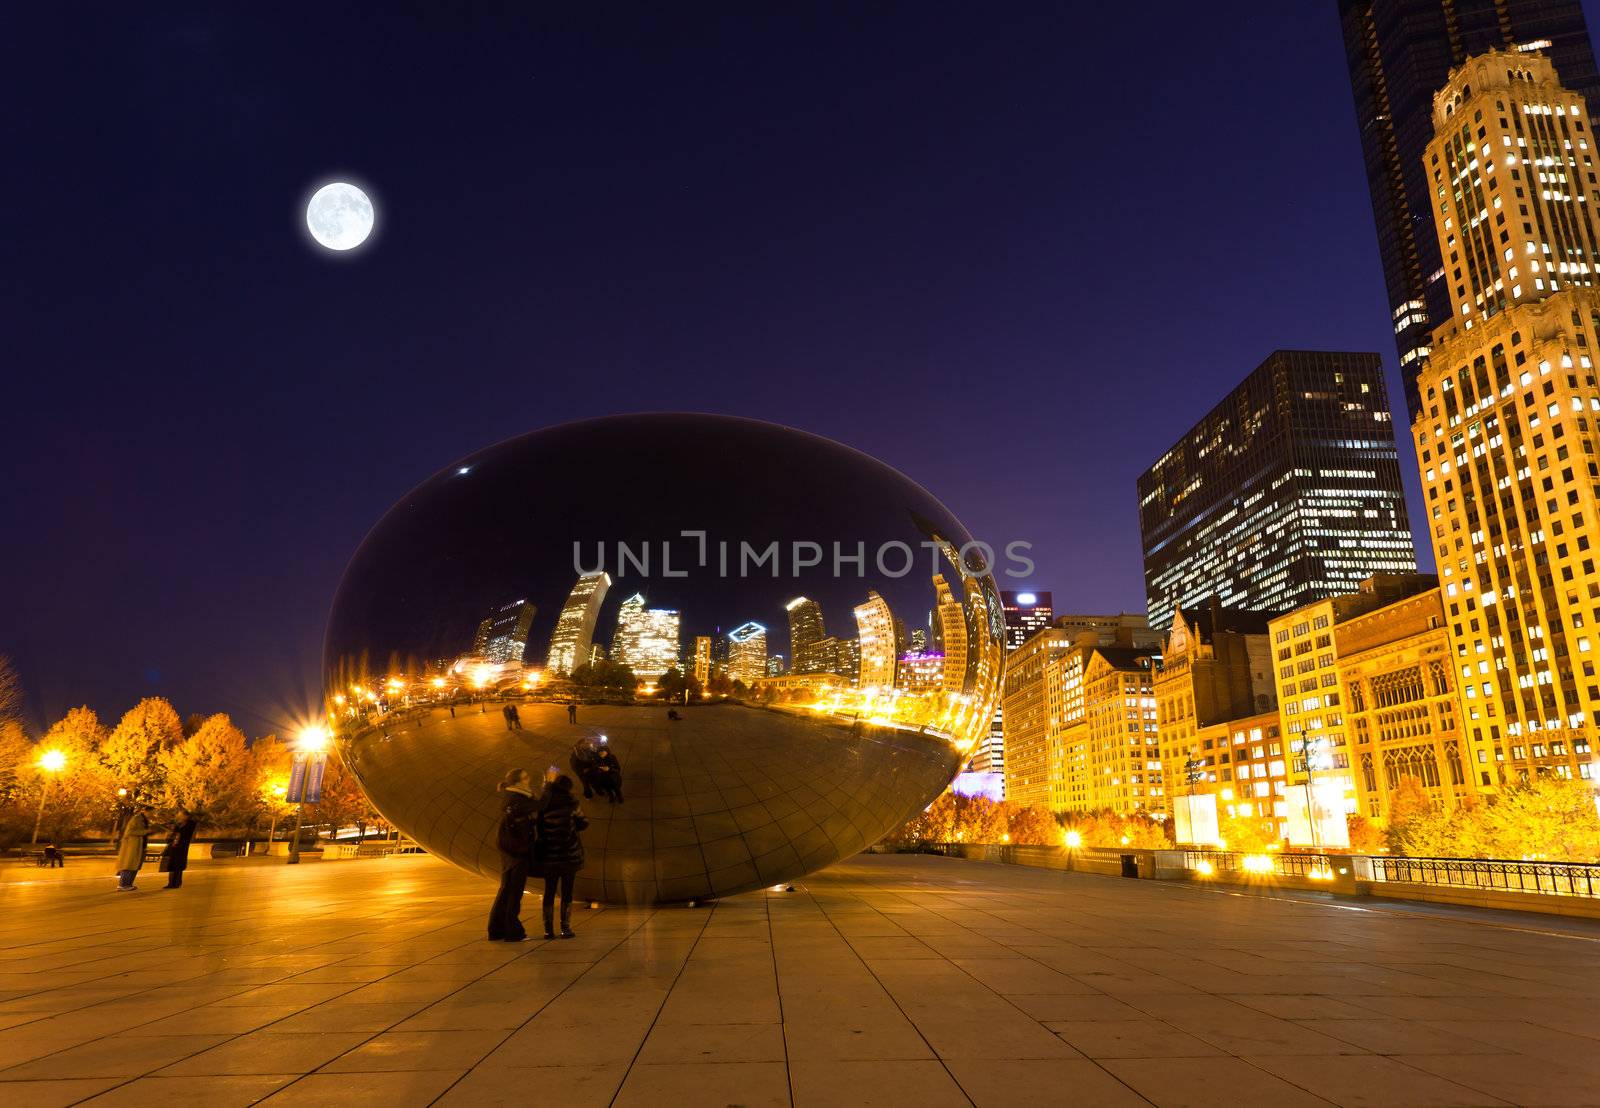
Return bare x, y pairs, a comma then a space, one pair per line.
514, 837
558, 850
506, 712
53, 857
672, 714
572, 711
175, 856
131, 847
608, 775
514, 717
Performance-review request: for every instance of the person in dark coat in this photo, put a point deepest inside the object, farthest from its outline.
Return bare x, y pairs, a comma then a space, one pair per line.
558, 851
513, 718
514, 837
608, 774
572, 711
175, 857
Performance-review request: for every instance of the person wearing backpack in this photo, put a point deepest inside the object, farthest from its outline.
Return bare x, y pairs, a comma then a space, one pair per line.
515, 839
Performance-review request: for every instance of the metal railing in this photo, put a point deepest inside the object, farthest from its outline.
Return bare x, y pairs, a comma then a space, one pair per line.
1550, 878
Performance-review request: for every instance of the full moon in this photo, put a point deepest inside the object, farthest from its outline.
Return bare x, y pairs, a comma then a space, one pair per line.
339, 216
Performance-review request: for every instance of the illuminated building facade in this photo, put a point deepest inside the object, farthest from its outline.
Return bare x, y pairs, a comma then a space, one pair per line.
879, 643
1026, 613
1310, 697
702, 659
921, 672
571, 643
1400, 52
836, 656
505, 632
1287, 491
1027, 720
1402, 703
1216, 667
1119, 730
1055, 747
805, 631
747, 653
1509, 430
646, 639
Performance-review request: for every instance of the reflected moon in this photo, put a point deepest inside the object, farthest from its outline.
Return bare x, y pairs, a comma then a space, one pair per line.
339, 216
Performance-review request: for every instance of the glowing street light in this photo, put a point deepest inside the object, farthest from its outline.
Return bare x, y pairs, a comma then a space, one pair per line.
51, 763
305, 778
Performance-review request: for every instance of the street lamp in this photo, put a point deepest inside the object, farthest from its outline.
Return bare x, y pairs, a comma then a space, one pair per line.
305, 779
51, 763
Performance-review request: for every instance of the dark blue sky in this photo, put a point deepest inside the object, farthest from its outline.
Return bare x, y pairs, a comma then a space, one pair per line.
1013, 253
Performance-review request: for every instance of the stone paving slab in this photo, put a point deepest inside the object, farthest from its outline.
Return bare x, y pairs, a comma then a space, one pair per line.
882, 981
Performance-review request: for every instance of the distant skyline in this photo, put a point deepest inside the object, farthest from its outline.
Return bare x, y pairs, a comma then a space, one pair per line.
880, 225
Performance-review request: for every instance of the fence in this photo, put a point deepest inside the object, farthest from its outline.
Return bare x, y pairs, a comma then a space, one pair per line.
1550, 878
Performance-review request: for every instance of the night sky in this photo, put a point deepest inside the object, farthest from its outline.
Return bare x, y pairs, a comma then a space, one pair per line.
1014, 253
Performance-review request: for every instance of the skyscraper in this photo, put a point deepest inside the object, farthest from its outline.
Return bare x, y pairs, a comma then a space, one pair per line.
574, 634
505, 632
1287, 491
702, 659
1026, 612
646, 639
805, 630
747, 653
950, 620
879, 648
1399, 53
1509, 428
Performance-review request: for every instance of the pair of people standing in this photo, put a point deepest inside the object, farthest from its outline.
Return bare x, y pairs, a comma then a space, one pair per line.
136, 840
538, 837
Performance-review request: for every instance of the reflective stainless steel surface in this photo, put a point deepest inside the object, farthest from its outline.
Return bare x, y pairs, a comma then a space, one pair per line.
692, 550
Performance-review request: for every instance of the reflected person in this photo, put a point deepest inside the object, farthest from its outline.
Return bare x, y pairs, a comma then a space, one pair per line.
558, 850
514, 837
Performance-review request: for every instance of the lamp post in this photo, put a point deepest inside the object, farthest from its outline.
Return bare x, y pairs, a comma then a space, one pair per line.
51, 763
305, 779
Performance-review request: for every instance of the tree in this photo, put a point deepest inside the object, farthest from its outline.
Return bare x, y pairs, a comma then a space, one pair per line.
272, 761
1033, 826
211, 775
1366, 837
935, 824
675, 683
132, 752
605, 676
1547, 818
343, 803
1250, 835
10, 692
1410, 814
979, 820
15, 751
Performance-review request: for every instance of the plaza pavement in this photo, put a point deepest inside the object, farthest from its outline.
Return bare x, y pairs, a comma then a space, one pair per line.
883, 981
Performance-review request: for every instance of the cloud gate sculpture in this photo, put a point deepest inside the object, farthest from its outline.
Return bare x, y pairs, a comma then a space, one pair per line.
789, 648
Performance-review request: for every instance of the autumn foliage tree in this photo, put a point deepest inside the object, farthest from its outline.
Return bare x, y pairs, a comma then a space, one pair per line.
211, 774
132, 752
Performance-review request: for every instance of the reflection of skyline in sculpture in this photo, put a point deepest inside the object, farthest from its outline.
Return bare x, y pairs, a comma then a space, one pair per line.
806, 629
950, 621
502, 637
750, 783
747, 653
574, 634
646, 639
702, 659
876, 632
